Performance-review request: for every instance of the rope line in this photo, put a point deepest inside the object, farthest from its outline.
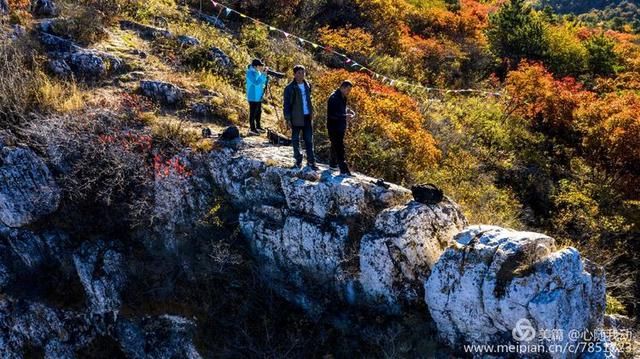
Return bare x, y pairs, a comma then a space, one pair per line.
350, 62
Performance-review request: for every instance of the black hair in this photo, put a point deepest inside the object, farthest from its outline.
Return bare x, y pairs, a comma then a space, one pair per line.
346, 83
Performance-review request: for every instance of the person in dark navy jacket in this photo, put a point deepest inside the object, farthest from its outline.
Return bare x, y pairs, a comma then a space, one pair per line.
337, 116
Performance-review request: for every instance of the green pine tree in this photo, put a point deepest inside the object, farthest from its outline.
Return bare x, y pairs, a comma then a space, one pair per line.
515, 32
602, 58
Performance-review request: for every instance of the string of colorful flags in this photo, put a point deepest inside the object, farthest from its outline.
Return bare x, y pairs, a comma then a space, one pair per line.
348, 61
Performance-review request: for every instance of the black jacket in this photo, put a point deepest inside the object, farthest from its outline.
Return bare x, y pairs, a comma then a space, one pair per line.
337, 112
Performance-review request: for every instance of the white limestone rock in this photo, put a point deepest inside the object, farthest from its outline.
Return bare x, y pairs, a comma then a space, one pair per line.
318, 236
406, 244
493, 278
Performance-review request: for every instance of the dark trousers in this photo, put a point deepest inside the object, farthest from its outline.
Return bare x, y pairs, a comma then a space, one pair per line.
336, 136
307, 133
255, 114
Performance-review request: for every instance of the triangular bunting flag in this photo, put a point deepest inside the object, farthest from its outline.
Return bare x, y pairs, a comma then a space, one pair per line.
227, 11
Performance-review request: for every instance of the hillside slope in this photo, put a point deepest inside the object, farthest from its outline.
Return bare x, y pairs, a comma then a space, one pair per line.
135, 236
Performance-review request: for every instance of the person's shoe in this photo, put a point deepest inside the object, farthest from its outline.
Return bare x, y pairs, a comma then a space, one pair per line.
253, 133
313, 166
333, 167
261, 130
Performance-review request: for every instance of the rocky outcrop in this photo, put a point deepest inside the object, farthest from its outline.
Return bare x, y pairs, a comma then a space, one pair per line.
67, 58
145, 31
316, 235
44, 8
62, 333
398, 256
180, 200
212, 20
162, 92
166, 336
496, 285
28, 190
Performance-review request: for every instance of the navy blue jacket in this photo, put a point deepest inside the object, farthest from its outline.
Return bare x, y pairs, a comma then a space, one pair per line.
337, 112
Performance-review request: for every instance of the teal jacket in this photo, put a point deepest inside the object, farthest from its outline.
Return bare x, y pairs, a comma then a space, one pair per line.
256, 83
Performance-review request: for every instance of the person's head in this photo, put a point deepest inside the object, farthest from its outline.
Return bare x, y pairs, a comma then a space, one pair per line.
299, 73
258, 64
346, 87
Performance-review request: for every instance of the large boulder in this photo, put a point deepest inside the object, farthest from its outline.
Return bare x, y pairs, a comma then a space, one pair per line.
500, 286
323, 238
163, 92
28, 190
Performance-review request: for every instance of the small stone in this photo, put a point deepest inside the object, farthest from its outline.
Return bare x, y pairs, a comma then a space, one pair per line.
188, 41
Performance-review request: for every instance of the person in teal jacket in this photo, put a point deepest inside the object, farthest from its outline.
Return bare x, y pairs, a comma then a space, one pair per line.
256, 85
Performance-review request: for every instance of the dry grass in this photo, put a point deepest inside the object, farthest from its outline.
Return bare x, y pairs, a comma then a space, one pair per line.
59, 96
18, 84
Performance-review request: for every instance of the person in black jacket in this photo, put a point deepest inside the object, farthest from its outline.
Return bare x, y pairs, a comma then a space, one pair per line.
337, 117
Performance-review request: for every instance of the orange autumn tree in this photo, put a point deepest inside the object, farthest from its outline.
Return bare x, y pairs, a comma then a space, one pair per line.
547, 103
611, 137
387, 138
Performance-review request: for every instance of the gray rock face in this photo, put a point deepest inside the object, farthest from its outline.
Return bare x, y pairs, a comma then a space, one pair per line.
27, 188
163, 92
101, 273
44, 8
29, 323
61, 333
317, 236
180, 200
494, 282
166, 336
